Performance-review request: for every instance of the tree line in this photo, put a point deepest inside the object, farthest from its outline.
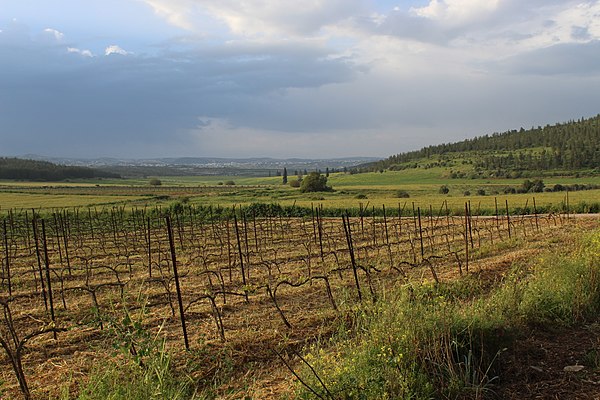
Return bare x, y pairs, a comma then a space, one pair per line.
571, 145
32, 170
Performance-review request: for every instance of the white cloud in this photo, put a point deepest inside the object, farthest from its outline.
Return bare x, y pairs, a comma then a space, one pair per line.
176, 12
57, 35
456, 12
85, 53
114, 49
259, 17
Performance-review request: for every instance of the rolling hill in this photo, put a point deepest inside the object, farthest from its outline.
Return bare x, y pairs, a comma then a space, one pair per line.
569, 146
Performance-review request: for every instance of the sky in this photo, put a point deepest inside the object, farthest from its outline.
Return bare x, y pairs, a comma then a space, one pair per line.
268, 78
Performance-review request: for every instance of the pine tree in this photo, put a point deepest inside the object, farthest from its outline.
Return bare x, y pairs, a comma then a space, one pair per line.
285, 177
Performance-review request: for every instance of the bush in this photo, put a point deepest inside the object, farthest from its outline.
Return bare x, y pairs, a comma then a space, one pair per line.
295, 183
444, 189
402, 194
315, 182
535, 186
467, 193
229, 183
155, 182
480, 192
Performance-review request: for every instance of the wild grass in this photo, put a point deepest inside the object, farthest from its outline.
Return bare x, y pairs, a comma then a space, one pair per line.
129, 381
442, 341
141, 369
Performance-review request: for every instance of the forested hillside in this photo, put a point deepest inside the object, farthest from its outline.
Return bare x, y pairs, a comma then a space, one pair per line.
568, 146
21, 169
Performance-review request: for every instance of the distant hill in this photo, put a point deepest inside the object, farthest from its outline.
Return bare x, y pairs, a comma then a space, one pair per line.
186, 166
33, 170
573, 145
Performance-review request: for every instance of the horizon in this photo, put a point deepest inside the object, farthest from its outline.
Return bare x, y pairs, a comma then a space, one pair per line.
146, 79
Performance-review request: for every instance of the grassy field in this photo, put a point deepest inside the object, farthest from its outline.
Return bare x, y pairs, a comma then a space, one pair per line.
350, 191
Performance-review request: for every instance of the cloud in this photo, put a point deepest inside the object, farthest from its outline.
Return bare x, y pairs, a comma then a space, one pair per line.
114, 49
457, 12
577, 59
176, 12
57, 35
140, 104
327, 78
259, 17
85, 53
504, 25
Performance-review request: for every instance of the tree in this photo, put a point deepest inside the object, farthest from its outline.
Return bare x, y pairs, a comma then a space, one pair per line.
535, 186
315, 182
285, 177
155, 182
444, 189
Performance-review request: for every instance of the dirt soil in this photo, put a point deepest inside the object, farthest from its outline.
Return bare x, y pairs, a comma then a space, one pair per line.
534, 368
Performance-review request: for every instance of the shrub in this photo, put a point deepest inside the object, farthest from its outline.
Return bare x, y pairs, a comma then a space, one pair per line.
535, 186
315, 182
155, 182
402, 194
444, 189
295, 183
480, 192
229, 183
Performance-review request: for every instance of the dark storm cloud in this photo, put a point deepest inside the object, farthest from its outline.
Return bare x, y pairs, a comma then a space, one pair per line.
93, 105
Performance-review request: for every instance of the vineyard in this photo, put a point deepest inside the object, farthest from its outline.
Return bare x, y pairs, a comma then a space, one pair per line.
214, 282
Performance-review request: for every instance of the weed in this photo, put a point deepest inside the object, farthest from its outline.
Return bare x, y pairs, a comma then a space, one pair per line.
443, 340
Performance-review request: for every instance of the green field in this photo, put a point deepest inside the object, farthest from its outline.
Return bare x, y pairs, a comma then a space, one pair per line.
350, 191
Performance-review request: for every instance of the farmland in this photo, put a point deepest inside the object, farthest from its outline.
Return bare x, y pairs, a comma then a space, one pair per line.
371, 189
218, 285
228, 292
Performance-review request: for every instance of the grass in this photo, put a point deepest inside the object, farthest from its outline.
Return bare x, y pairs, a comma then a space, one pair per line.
10, 200
126, 380
422, 185
425, 341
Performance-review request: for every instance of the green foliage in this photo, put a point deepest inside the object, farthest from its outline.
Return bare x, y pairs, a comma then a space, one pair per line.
444, 189
571, 145
125, 380
314, 182
155, 182
535, 186
442, 341
402, 194
295, 183
143, 371
229, 183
